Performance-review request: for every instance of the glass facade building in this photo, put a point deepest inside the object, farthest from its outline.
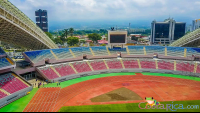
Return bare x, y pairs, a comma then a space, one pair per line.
42, 19
166, 32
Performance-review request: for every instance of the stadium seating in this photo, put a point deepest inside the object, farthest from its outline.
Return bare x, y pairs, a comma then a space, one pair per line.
81, 67
4, 62
136, 50
37, 56
63, 53
98, 65
147, 64
175, 51
184, 66
155, 49
1, 52
193, 51
2, 95
64, 69
114, 64
48, 72
99, 51
130, 63
167, 65
11, 84
114, 51
79, 51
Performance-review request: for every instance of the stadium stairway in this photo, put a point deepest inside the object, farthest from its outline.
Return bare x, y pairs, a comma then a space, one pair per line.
122, 63
92, 52
156, 64
127, 51
20, 79
72, 53
54, 54
195, 67
108, 51
106, 64
2, 90
10, 61
73, 67
174, 65
139, 63
55, 71
90, 66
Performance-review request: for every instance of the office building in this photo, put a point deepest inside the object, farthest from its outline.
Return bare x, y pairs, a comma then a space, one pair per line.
166, 32
42, 19
195, 24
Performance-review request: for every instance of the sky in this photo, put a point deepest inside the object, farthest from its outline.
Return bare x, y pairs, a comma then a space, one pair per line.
73, 13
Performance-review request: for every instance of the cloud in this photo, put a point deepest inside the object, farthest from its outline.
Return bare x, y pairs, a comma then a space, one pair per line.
71, 10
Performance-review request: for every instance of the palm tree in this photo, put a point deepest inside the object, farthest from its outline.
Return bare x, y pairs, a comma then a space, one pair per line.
71, 31
66, 32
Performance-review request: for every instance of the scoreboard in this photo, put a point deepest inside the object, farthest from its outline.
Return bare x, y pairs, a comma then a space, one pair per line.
117, 37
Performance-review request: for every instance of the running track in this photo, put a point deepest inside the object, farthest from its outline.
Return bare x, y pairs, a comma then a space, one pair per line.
161, 88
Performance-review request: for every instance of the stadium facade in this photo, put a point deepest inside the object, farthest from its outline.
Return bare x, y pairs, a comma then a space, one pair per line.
42, 19
166, 32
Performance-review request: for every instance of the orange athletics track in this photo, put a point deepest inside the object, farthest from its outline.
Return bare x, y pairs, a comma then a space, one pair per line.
159, 87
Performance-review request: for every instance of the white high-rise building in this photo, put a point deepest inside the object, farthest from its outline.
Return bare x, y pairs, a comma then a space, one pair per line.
195, 24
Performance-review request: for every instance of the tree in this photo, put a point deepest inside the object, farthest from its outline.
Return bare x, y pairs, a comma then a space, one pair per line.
71, 41
66, 32
71, 31
50, 35
103, 44
92, 44
94, 37
134, 38
106, 35
82, 41
58, 41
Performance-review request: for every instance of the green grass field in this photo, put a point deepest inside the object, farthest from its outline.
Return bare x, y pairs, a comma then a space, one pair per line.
20, 104
134, 107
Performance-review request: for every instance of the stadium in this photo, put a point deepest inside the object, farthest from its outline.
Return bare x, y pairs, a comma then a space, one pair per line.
96, 78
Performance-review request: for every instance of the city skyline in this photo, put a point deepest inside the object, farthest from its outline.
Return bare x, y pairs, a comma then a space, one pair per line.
76, 13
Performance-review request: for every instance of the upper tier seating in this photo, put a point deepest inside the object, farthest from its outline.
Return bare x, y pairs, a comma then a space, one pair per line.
130, 63
115, 51
98, 65
79, 51
114, 64
2, 52
136, 50
99, 51
10, 83
175, 51
147, 64
37, 56
81, 67
167, 65
193, 51
155, 49
4, 62
48, 72
63, 53
64, 69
